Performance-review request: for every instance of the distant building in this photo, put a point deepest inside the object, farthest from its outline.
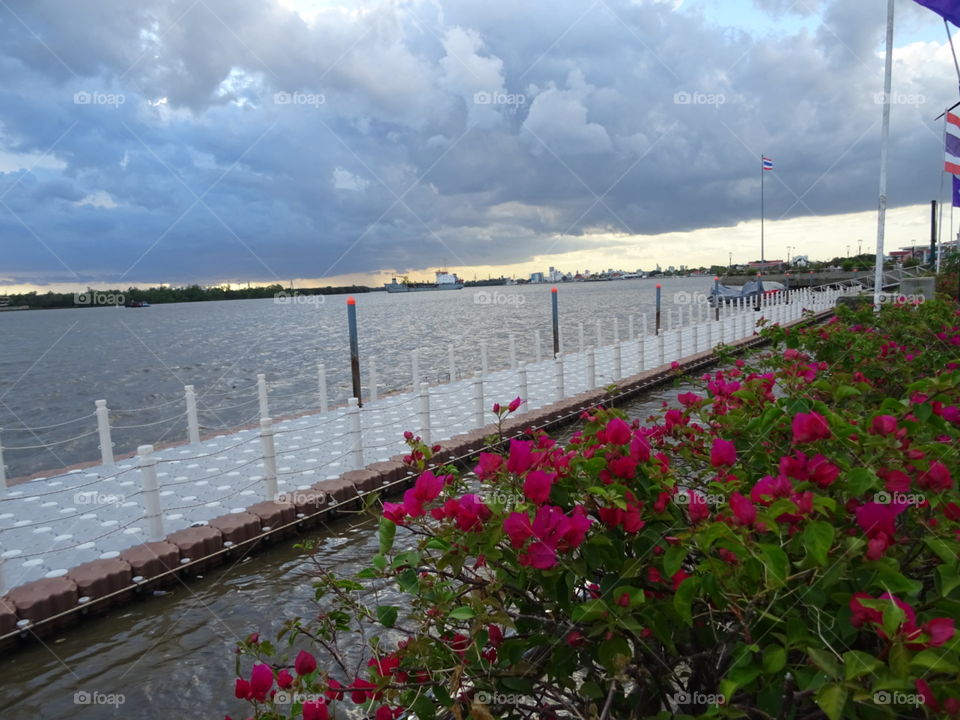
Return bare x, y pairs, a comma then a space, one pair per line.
767, 265
536, 277
801, 261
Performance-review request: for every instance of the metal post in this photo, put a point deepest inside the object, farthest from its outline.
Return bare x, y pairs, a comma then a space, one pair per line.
580, 333
669, 320
536, 345
696, 340
484, 365
599, 333
616, 330
556, 321
103, 427
660, 350
3, 469
558, 365
262, 395
354, 349
269, 459
478, 406
679, 343
643, 324
591, 368
415, 367
716, 296
151, 493
723, 330
631, 334
425, 412
657, 325
513, 351
193, 427
453, 363
642, 354
524, 393
356, 433
322, 387
372, 372
884, 144
617, 368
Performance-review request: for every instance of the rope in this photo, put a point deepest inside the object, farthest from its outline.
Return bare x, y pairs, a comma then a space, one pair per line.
152, 407
149, 424
212, 454
325, 441
219, 499
211, 477
48, 427
309, 427
8, 498
315, 467
227, 407
51, 444
239, 424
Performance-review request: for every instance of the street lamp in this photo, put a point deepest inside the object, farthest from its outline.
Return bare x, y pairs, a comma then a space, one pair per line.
729, 262
860, 247
848, 252
789, 248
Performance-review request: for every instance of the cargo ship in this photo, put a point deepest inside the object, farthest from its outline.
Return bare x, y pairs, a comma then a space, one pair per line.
445, 281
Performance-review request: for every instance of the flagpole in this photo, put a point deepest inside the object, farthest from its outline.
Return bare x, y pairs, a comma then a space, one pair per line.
761, 212
884, 143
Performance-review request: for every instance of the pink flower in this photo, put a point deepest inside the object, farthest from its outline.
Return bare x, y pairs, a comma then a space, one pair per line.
770, 488
539, 555
688, 399
305, 663
284, 679
396, 512
808, 427
940, 631
883, 425
617, 432
723, 453
471, 513
579, 525
514, 404
697, 508
937, 477
821, 471
316, 710
241, 689
428, 487
537, 486
521, 456
488, 465
744, 511
517, 527
876, 518
261, 680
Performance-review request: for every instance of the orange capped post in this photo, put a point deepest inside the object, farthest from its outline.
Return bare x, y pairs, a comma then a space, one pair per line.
658, 310
354, 349
351, 301
556, 322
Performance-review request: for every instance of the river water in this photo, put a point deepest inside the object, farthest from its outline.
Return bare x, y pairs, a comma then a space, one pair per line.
55, 363
172, 656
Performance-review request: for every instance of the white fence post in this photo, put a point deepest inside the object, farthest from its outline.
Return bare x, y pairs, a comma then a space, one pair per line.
484, 361
536, 345
643, 324
616, 330
452, 357
524, 393
617, 362
599, 333
103, 427
356, 433
415, 367
580, 333
591, 368
558, 365
372, 373
3, 469
630, 332
262, 395
193, 427
425, 412
696, 339
669, 319
660, 350
269, 459
642, 353
322, 387
679, 343
151, 493
513, 351
478, 406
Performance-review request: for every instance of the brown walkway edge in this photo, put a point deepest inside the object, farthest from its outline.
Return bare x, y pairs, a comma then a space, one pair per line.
42, 607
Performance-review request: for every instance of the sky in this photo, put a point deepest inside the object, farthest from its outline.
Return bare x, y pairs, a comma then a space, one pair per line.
325, 142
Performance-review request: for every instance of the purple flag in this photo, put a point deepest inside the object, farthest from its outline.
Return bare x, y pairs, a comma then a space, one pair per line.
948, 9
956, 191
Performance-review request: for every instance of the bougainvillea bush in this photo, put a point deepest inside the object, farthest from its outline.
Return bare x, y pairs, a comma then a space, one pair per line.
782, 543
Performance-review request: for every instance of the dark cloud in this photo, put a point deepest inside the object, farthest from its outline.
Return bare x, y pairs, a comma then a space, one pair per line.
231, 139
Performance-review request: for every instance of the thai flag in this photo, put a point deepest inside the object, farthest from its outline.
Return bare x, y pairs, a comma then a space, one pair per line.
947, 9
952, 160
768, 163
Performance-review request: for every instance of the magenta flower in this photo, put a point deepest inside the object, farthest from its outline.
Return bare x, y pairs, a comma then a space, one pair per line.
697, 508
540, 556
395, 512
537, 486
305, 663
936, 477
744, 511
316, 710
521, 456
241, 689
284, 679
518, 529
822, 471
617, 432
770, 488
723, 453
883, 425
488, 465
261, 680
808, 427
514, 404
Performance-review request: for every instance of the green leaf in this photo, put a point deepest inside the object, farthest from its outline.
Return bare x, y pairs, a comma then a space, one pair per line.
379, 561
683, 599
774, 659
935, 661
388, 530
942, 550
857, 664
825, 661
859, 480
387, 615
845, 391
818, 539
831, 699
590, 611
947, 578
673, 559
461, 613
408, 581
776, 563
614, 653
592, 690
900, 661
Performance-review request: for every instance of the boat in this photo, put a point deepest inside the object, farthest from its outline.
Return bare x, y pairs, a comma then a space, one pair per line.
136, 303
750, 289
445, 281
